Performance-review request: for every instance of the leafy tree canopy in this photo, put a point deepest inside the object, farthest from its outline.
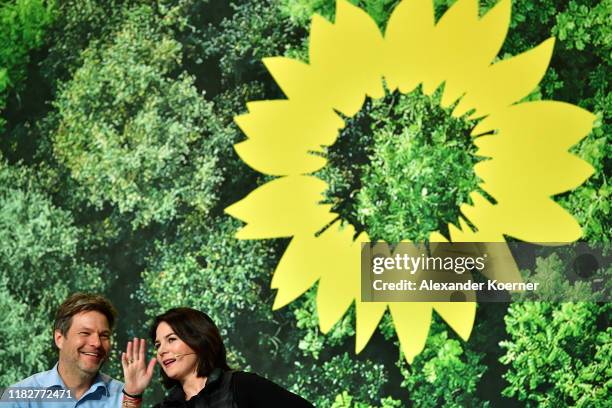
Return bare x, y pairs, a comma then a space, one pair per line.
133, 133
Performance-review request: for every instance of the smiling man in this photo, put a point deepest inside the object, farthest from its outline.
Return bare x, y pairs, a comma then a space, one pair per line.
82, 334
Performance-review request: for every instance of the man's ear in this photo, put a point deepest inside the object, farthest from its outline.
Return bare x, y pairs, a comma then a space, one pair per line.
59, 339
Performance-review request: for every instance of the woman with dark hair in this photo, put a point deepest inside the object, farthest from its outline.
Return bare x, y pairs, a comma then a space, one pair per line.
194, 368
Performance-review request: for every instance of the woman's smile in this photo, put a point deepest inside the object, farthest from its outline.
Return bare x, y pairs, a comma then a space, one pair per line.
177, 359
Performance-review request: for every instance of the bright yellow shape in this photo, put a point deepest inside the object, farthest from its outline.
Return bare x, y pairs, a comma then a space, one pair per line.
284, 207
282, 147
525, 146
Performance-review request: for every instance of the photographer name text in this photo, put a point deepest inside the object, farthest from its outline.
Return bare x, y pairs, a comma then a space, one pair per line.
431, 285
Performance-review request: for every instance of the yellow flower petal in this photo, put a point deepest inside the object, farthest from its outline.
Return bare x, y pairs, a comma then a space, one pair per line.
297, 270
541, 220
521, 154
284, 147
500, 264
457, 29
407, 51
541, 125
530, 172
269, 213
459, 316
276, 160
492, 31
506, 82
353, 40
294, 77
368, 315
340, 271
411, 321
474, 49
482, 214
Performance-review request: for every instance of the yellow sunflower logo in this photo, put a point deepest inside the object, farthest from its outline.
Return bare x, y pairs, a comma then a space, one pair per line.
526, 145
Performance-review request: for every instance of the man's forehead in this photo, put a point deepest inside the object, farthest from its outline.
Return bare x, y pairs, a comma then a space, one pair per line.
92, 320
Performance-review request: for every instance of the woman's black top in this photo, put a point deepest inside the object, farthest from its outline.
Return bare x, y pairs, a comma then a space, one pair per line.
235, 389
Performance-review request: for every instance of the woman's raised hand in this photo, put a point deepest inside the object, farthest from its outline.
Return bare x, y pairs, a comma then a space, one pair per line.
136, 372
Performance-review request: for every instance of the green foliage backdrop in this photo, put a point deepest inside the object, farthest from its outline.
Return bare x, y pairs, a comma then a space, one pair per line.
117, 161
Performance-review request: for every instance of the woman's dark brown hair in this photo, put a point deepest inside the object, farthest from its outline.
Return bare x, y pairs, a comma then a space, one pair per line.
200, 333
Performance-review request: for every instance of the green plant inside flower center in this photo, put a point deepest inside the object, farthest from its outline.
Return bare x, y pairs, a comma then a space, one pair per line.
401, 168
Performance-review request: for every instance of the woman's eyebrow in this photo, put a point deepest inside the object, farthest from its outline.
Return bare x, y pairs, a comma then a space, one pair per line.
165, 337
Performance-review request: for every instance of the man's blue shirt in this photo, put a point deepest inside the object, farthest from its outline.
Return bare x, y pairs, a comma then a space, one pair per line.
105, 392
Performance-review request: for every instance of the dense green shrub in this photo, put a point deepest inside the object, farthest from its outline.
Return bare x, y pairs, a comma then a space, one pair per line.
559, 354
40, 265
19, 360
301, 11
560, 279
134, 135
23, 24
37, 236
344, 400
77, 23
445, 374
255, 30
361, 379
401, 169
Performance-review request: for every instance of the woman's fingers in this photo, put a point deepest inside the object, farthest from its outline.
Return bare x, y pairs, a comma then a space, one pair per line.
128, 351
135, 352
124, 361
141, 355
150, 368
136, 349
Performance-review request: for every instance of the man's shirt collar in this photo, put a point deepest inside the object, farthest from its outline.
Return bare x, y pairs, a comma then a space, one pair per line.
53, 380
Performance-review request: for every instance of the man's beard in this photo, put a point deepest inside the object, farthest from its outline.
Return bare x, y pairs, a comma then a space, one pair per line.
88, 370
